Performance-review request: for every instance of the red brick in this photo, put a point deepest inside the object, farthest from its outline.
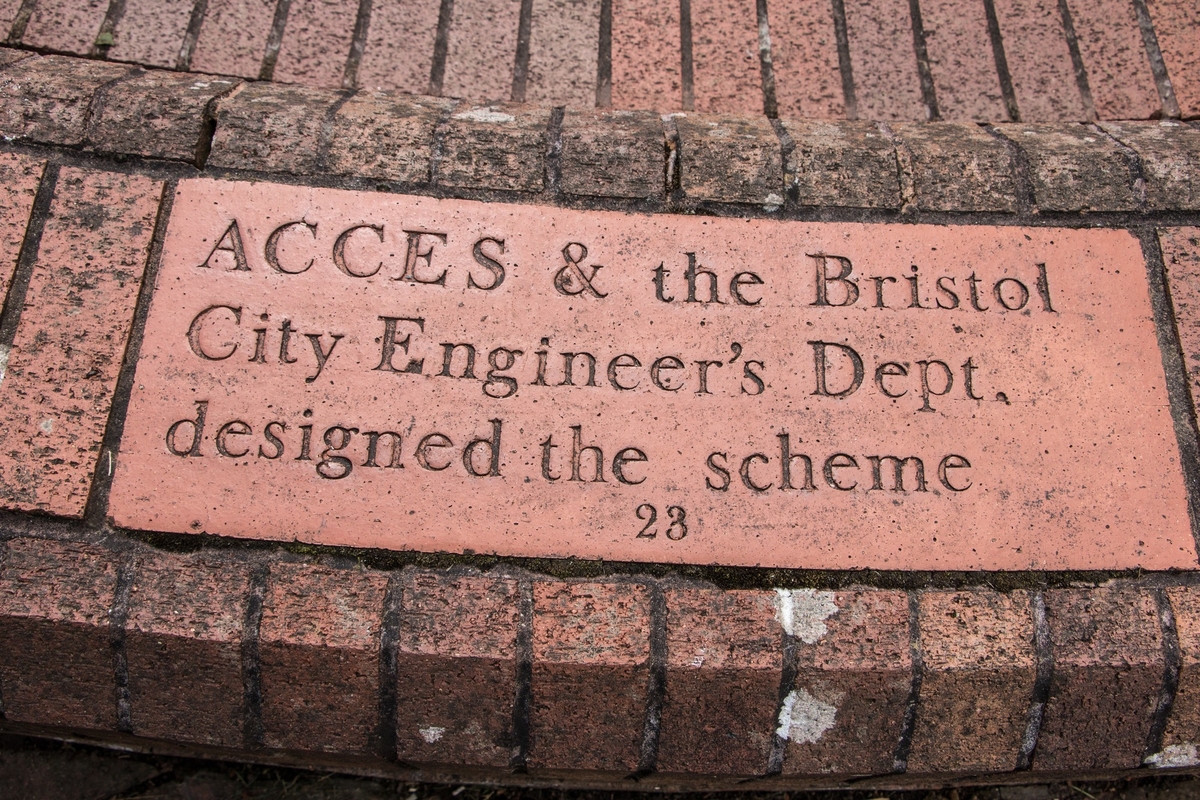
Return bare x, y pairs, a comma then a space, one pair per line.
233, 38
9, 56
385, 135
849, 164
316, 43
1039, 61
979, 669
1183, 726
563, 48
1175, 24
1181, 256
404, 68
591, 647
965, 79
1169, 152
886, 83
725, 57
804, 57
8, 11
958, 167
855, 661
151, 32
1073, 168
1115, 57
65, 26
183, 647
319, 644
501, 147
69, 346
613, 154
271, 127
54, 631
158, 114
482, 50
1108, 672
724, 662
19, 179
645, 56
48, 99
730, 159
456, 664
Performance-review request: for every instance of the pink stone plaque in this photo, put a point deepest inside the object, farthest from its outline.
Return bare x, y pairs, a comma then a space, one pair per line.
375, 370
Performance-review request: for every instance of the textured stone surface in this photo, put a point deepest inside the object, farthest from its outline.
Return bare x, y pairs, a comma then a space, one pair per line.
1181, 256
730, 159
1039, 61
1108, 670
1183, 726
48, 99
645, 56
65, 26
55, 398
404, 68
501, 147
54, 630
385, 135
886, 82
19, 179
157, 114
9, 56
482, 50
1073, 168
1170, 157
183, 647
848, 164
319, 643
271, 127
563, 50
591, 647
316, 43
724, 657
855, 672
805, 60
980, 665
1114, 55
456, 666
151, 32
965, 79
612, 154
233, 39
958, 168
1175, 24
725, 57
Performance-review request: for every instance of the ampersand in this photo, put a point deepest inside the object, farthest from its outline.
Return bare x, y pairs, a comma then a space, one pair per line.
574, 278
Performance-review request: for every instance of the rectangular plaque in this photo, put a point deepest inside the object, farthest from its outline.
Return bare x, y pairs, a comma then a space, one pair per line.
376, 370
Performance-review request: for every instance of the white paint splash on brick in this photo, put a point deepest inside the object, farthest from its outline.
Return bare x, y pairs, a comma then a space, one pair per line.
4, 351
1177, 755
431, 734
802, 613
485, 115
804, 718
47, 425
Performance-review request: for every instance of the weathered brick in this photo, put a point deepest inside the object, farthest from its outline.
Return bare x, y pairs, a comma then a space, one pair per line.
319, 644
183, 647
1073, 168
724, 663
564, 45
47, 99
725, 57
456, 665
1183, 727
482, 50
846, 164
591, 647
271, 127
958, 167
9, 56
1108, 671
847, 704
730, 159
1114, 55
385, 135
70, 343
645, 56
612, 154
57, 668
1039, 61
233, 38
151, 32
1175, 25
965, 79
805, 60
65, 26
158, 114
500, 147
405, 69
19, 179
1170, 156
316, 43
1181, 256
979, 669
886, 83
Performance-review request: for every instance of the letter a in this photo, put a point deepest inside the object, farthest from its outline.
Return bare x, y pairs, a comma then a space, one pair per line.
230, 242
